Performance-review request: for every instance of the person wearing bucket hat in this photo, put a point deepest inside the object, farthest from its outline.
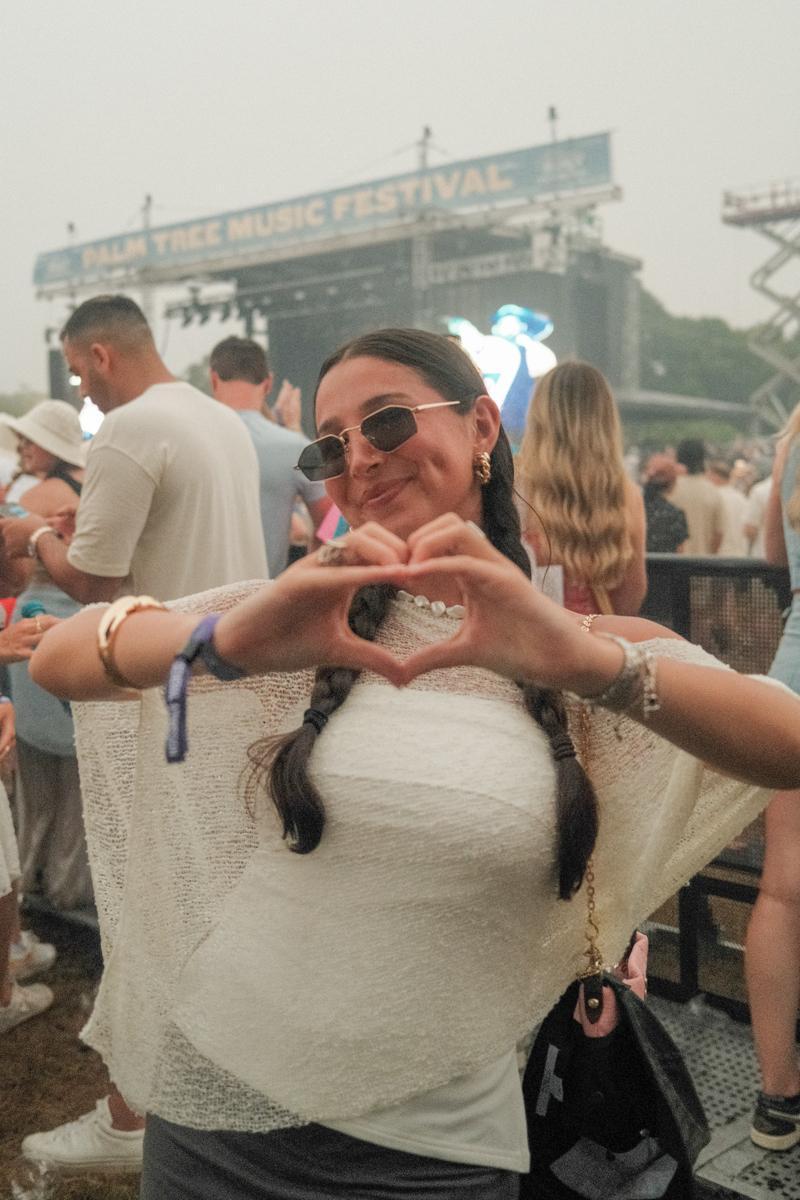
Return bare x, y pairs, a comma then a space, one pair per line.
52, 452
48, 438
54, 429
52, 845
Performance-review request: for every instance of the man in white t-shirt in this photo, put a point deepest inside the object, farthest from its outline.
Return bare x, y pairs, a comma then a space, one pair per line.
699, 500
754, 516
734, 543
170, 505
241, 379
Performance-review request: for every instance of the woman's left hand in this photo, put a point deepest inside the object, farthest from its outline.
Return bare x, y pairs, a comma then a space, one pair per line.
509, 627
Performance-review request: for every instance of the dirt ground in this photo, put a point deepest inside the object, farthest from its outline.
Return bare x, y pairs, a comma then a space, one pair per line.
47, 1076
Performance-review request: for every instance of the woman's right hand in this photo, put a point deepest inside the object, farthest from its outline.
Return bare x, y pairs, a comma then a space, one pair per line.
301, 619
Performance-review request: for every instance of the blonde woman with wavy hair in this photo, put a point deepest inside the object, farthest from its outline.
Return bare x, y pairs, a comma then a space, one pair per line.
773, 939
588, 516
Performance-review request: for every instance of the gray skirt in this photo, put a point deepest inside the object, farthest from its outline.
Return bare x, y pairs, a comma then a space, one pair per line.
310, 1163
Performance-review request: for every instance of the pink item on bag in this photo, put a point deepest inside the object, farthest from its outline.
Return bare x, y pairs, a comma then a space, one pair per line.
632, 971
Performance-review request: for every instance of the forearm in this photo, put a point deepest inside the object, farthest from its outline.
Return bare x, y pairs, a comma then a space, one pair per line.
67, 662
85, 588
52, 553
742, 727
774, 540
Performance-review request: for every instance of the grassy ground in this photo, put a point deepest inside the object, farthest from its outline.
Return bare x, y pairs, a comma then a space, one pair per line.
47, 1076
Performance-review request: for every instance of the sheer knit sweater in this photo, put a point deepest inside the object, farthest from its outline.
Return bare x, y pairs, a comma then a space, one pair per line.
247, 987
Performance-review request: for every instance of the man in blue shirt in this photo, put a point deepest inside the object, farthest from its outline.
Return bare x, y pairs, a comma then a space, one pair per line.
241, 379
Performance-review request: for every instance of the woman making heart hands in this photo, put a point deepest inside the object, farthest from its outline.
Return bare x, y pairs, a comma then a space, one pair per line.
327, 928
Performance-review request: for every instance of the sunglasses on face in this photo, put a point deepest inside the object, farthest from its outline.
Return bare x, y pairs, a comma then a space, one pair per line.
385, 429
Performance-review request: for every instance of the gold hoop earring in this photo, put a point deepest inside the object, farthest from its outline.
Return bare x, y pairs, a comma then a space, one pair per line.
482, 468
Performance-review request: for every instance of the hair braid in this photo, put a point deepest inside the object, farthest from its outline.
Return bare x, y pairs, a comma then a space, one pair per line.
282, 762
576, 803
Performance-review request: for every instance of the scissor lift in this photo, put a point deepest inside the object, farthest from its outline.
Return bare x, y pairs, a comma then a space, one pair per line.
775, 212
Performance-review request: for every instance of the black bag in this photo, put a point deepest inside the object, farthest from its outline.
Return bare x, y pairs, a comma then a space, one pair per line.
614, 1117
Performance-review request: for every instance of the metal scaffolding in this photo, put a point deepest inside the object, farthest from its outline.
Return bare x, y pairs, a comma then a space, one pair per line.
775, 212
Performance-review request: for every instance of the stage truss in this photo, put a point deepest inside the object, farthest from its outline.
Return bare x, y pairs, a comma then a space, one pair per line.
775, 213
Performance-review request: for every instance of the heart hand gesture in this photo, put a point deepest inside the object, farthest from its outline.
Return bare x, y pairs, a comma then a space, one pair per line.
302, 619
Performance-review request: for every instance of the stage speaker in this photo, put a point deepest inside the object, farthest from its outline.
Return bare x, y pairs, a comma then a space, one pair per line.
58, 378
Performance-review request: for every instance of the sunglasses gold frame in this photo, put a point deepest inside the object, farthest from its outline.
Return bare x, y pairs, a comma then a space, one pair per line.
340, 437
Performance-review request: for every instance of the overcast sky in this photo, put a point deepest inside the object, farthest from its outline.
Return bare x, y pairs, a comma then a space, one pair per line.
215, 106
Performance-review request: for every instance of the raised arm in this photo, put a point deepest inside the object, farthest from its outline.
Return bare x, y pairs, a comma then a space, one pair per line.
774, 540
67, 662
296, 622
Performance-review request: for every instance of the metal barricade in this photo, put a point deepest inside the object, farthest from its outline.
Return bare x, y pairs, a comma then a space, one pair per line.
734, 608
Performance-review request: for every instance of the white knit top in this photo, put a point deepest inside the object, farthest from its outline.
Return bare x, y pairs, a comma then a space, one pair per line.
248, 987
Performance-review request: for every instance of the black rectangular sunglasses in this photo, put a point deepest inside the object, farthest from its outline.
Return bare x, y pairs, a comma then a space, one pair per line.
385, 429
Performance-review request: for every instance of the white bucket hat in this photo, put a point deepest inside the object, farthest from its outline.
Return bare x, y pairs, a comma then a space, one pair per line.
53, 425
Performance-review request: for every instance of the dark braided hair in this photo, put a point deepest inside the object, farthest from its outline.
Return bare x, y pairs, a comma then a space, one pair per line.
281, 763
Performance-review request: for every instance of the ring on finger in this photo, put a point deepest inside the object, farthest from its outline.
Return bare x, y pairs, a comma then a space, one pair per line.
333, 553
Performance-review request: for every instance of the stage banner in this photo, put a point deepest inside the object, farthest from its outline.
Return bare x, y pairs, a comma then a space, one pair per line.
559, 168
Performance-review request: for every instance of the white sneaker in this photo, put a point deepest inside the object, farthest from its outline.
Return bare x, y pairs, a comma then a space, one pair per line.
25, 1002
88, 1144
30, 957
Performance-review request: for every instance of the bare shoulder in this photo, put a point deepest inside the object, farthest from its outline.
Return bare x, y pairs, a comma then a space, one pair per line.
633, 494
46, 498
635, 629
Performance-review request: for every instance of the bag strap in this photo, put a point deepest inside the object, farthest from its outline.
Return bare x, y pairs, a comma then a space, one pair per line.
592, 953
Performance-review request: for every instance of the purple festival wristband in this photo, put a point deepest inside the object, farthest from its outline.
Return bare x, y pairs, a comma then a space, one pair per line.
200, 645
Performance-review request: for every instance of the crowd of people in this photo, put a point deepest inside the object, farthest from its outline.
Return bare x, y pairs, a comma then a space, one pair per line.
696, 504
341, 899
